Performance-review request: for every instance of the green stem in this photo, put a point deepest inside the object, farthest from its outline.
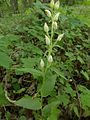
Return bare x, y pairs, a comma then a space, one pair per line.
52, 30
42, 106
43, 75
48, 64
52, 33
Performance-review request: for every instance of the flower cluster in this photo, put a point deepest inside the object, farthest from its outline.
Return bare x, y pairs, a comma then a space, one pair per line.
53, 15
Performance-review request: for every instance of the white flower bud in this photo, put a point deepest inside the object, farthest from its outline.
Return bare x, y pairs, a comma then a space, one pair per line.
56, 16
46, 28
50, 59
42, 63
52, 4
56, 6
60, 37
47, 40
48, 13
55, 25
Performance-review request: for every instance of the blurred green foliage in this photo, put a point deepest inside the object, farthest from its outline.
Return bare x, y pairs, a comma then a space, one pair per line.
22, 45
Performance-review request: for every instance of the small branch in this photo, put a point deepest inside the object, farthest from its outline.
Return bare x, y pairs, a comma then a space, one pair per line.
78, 98
12, 101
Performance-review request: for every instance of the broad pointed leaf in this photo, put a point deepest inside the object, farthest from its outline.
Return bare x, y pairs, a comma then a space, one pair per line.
29, 103
5, 60
48, 86
29, 70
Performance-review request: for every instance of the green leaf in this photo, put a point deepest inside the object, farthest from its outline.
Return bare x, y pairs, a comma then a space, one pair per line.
36, 34
70, 55
32, 48
8, 39
75, 109
58, 72
64, 99
58, 100
84, 96
29, 70
3, 100
85, 74
54, 114
83, 89
69, 90
30, 62
22, 118
5, 60
47, 109
48, 85
7, 115
20, 90
86, 111
85, 100
80, 60
29, 103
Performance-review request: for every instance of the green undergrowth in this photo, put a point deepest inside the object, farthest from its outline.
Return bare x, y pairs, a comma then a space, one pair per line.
82, 12
66, 91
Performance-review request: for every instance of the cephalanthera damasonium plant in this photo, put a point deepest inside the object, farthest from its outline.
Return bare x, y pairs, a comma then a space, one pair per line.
53, 14
49, 36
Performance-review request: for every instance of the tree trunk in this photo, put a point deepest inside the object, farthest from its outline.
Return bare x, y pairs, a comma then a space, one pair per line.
25, 4
14, 6
30, 2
